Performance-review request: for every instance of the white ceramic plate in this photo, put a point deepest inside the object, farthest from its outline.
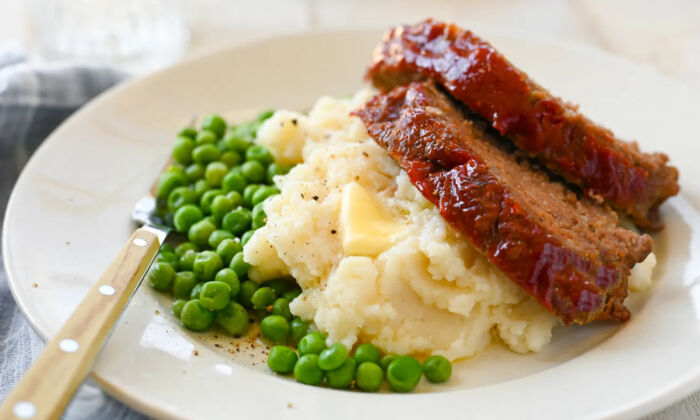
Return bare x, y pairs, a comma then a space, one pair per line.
69, 215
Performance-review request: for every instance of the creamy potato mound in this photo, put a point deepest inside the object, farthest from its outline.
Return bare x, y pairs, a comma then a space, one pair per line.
376, 261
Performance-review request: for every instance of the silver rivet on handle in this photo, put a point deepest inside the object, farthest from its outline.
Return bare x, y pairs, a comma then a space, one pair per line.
106, 290
24, 410
68, 345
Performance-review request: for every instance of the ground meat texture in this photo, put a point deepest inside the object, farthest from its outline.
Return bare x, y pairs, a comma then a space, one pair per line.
567, 252
542, 125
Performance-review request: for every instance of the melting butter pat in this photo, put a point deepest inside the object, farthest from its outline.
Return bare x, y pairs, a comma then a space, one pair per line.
366, 227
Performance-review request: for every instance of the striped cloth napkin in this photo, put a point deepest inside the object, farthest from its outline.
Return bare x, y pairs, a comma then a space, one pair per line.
34, 99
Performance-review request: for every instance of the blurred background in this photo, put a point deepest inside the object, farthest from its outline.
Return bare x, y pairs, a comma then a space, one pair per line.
143, 35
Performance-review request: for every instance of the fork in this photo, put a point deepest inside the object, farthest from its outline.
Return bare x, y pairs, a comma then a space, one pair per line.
48, 386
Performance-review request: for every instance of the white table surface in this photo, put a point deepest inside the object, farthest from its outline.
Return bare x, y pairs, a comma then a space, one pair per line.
662, 34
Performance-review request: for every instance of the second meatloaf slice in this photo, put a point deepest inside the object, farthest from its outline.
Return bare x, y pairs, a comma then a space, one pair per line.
544, 126
568, 253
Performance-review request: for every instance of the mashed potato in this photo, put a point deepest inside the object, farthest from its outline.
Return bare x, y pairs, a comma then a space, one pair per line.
374, 258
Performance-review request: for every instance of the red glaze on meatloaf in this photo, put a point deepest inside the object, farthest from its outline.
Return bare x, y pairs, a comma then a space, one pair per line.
568, 253
539, 123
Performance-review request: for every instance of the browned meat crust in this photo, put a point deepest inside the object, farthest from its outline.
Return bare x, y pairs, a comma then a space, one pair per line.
542, 125
568, 253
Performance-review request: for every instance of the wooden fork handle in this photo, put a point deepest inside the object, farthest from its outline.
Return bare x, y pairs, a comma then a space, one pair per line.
52, 380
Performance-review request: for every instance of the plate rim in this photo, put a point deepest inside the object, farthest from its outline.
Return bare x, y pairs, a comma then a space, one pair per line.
666, 396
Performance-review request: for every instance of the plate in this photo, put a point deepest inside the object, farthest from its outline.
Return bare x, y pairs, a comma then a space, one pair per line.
69, 215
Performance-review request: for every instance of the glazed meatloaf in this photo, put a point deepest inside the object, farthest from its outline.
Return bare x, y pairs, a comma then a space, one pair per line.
568, 253
539, 123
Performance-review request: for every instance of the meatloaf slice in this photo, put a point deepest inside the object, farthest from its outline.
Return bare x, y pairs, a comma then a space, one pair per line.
539, 123
568, 253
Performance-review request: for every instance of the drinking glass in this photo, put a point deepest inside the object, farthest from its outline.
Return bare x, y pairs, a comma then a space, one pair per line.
131, 34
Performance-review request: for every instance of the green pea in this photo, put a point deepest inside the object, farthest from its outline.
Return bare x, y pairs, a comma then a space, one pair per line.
161, 276
246, 237
386, 360
206, 265
403, 374
215, 173
260, 154
200, 231
332, 357
230, 158
237, 221
262, 193
367, 353
290, 295
369, 377
220, 206
342, 376
221, 145
194, 172
205, 153
228, 248
188, 131
196, 317
437, 369
186, 216
207, 198
205, 137
196, 290
184, 247
200, 187
218, 236
177, 307
262, 298
236, 197
234, 181
168, 257
166, 248
214, 123
275, 328
214, 220
312, 343
246, 130
252, 128
265, 114
248, 289
275, 169
307, 371
239, 265
215, 295
236, 143
180, 196
228, 276
183, 284
248, 194
175, 169
298, 329
186, 261
259, 216
167, 182
233, 318
182, 150
282, 359
280, 285
281, 307
253, 171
